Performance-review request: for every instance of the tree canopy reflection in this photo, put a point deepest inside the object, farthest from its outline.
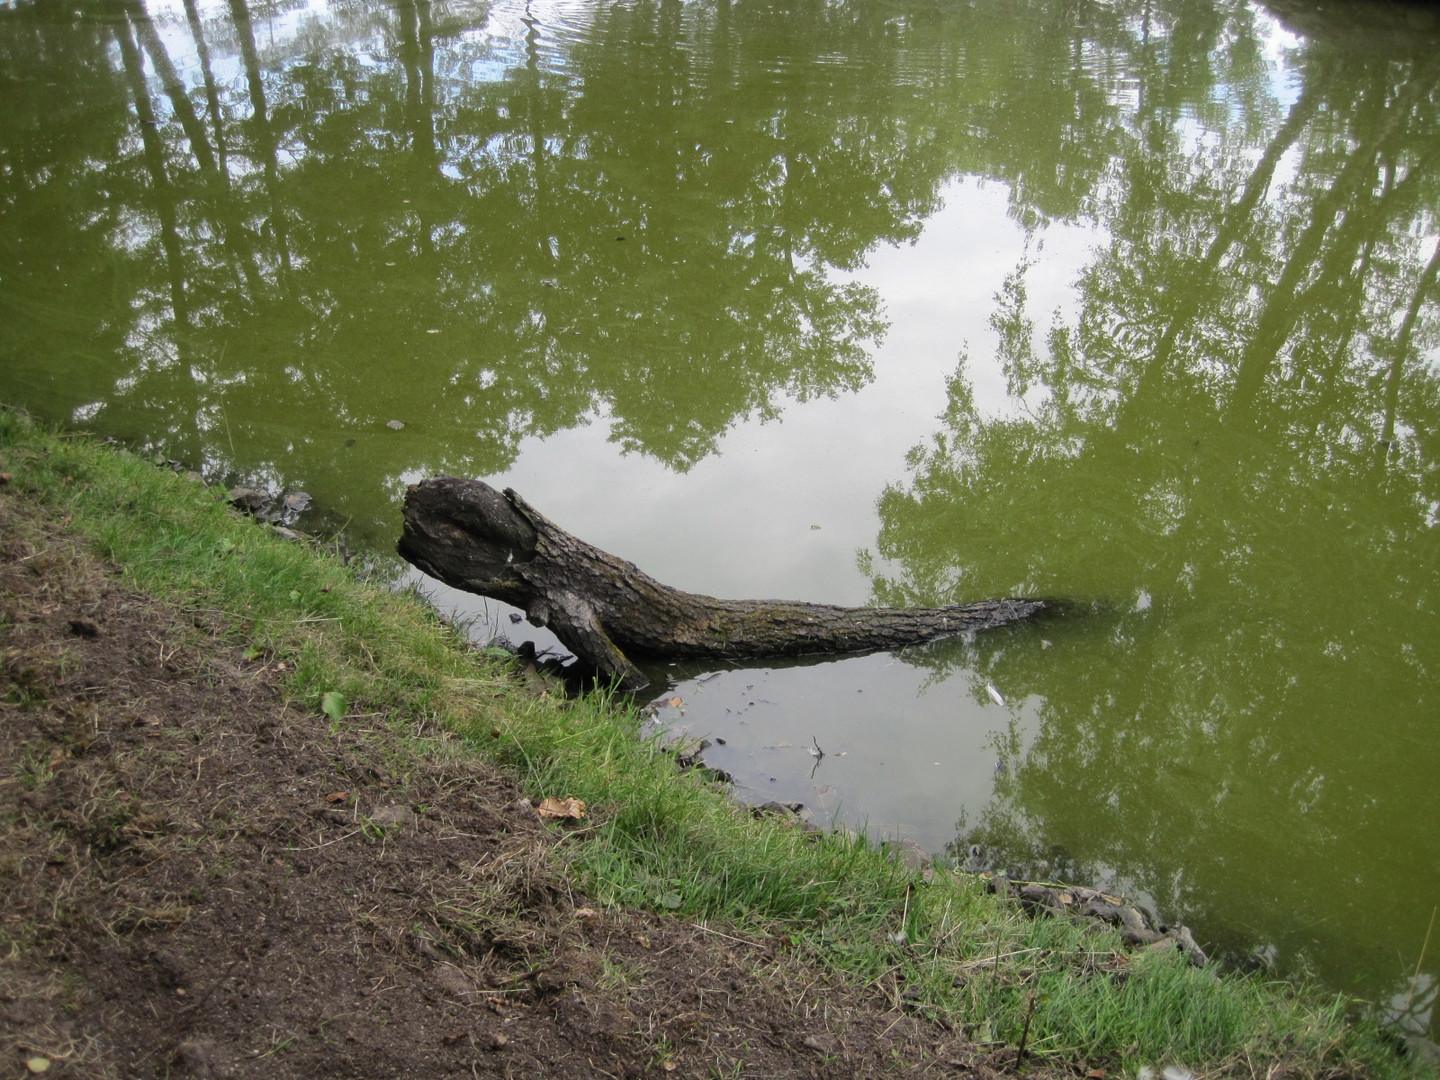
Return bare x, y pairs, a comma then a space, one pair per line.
1231, 447
347, 236
271, 245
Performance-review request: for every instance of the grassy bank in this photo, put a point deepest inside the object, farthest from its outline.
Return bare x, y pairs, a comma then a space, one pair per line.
939, 945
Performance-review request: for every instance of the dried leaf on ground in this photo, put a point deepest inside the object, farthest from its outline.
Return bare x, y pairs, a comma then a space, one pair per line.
562, 808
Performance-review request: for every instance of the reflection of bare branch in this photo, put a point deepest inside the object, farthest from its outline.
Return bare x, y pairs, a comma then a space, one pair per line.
171, 81
212, 94
264, 133
1348, 198
235, 237
161, 195
1401, 346
1238, 217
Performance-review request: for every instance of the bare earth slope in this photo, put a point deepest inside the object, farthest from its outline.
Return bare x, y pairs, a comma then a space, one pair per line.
200, 880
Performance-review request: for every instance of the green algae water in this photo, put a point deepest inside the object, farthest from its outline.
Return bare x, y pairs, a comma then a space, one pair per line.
1133, 304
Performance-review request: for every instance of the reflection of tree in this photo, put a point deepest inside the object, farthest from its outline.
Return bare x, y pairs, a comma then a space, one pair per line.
293, 260
161, 198
317, 241
58, 232
1201, 450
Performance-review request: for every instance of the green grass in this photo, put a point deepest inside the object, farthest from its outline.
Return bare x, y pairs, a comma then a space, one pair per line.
659, 839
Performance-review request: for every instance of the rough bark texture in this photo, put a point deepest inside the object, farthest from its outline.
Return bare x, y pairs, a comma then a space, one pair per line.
602, 608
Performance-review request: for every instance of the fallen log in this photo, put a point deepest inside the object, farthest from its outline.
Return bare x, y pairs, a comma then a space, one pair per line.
605, 609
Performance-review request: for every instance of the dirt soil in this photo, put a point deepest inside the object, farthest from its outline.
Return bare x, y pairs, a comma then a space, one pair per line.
199, 880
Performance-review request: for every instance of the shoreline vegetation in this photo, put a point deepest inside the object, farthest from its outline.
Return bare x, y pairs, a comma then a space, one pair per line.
792, 953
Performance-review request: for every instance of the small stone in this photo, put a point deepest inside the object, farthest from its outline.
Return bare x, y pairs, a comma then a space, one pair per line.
823, 1044
450, 979
395, 425
200, 1057
425, 947
1041, 900
1185, 942
393, 816
247, 499
908, 854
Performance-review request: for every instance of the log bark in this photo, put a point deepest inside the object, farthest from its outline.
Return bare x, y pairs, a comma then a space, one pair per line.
606, 610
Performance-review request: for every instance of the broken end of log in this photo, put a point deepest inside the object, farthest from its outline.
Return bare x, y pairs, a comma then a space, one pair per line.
465, 533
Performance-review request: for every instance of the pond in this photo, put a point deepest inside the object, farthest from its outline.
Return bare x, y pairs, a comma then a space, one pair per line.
1131, 303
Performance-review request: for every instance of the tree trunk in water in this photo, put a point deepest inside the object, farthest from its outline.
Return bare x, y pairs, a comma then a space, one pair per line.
602, 608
